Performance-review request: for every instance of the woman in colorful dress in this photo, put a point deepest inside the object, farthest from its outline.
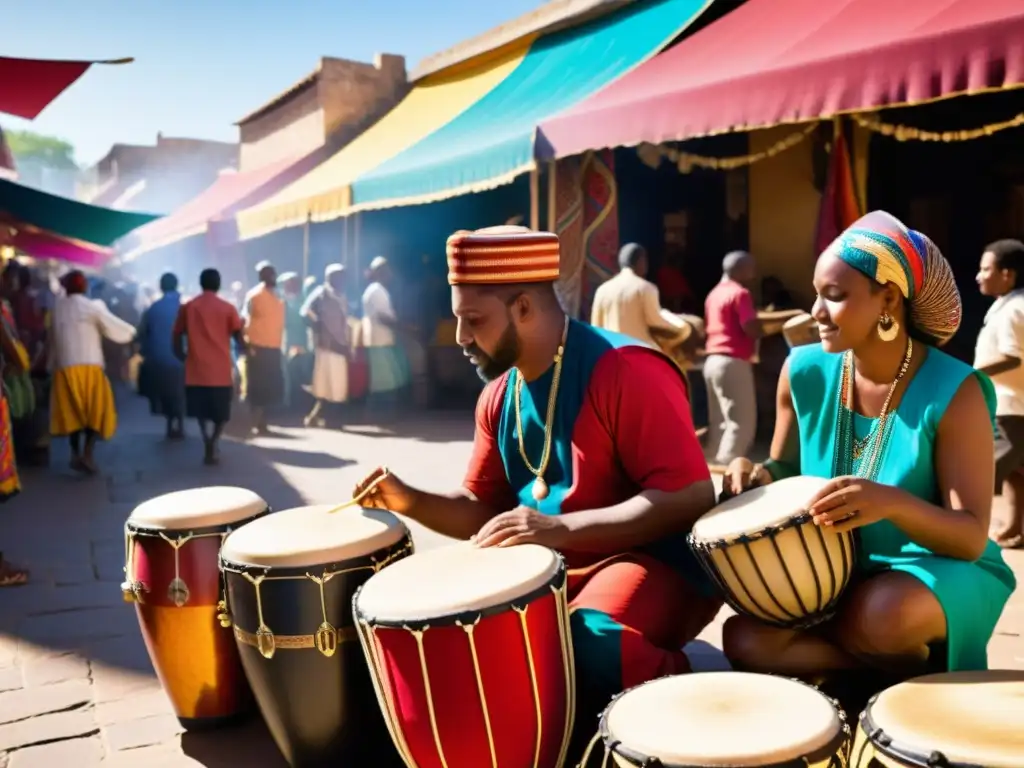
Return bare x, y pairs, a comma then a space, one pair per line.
14, 362
82, 401
906, 435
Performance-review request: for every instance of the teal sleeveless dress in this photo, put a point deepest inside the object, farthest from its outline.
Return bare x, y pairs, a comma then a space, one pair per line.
972, 594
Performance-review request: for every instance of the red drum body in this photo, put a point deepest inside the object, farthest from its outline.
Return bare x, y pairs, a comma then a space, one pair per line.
173, 577
474, 687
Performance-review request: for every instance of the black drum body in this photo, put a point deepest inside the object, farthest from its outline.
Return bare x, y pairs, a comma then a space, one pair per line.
301, 654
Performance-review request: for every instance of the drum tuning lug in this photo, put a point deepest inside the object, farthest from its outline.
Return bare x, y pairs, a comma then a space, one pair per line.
265, 641
132, 591
326, 640
178, 592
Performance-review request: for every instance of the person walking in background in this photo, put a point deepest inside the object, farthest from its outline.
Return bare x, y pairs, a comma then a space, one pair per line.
13, 360
326, 311
264, 317
208, 324
162, 376
628, 303
389, 367
82, 401
732, 328
999, 351
296, 339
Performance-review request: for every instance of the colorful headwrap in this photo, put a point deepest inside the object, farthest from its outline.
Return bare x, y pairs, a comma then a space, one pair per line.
503, 255
884, 249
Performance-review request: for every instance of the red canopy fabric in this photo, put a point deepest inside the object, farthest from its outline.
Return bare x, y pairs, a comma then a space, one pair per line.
779, 61
231, 192
27, 86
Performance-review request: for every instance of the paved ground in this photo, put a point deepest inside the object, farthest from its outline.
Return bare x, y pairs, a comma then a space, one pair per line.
76, 685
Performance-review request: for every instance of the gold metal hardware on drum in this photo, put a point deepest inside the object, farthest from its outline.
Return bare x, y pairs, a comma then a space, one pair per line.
177, 591
385, 473
327, 637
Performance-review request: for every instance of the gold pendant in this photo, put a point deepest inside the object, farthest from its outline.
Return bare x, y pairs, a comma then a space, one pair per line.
223, 617
540, 489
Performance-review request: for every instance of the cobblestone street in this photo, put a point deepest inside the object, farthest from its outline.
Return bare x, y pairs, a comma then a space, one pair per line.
76, 686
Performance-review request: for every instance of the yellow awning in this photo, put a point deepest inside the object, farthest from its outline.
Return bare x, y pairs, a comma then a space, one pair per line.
324, 193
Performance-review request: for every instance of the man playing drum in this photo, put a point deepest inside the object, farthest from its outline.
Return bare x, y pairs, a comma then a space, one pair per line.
584, 443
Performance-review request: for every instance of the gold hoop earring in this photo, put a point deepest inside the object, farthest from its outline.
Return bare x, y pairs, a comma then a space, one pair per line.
888, 328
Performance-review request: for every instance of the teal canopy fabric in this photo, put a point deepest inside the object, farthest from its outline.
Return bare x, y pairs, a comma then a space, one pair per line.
492, 141
64, 217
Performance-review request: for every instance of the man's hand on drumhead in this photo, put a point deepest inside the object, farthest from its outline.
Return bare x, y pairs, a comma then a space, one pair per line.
522, 526
390, 493
741, 475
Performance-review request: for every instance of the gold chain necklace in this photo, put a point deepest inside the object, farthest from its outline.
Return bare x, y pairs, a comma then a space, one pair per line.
879, 432
540, 488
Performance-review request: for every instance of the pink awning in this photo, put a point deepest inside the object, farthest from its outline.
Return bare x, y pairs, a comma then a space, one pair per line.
27, 86
783, 61
231, 192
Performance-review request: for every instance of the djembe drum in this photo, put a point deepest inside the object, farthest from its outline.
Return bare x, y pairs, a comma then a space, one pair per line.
171, 547
723, 719
951, 720
290, 581
801, 330
472, 657
768, 557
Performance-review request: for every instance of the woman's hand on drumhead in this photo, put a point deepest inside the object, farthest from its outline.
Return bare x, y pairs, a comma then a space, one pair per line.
522, 525
851, 502
741, 475
389, 493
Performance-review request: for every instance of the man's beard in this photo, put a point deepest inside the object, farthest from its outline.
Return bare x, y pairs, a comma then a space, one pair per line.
490, 367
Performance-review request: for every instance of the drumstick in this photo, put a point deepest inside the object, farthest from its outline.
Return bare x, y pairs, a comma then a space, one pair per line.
362, 494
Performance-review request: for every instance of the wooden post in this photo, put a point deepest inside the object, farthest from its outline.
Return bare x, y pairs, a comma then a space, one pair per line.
535, 199
552, 197
305, 249
356, 261
345, 250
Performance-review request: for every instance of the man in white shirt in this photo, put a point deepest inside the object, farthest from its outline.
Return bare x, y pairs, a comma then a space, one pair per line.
998, 353
629, 303
389, 367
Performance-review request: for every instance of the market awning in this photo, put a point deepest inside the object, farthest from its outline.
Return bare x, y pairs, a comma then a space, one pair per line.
492, 142
231, 192
48, 226
27, 86
324, 194
785, 61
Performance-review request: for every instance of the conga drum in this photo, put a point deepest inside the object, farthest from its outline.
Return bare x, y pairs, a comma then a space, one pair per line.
801, 330
770, 560
290, 581
471, 656
735, 719
171, 547
951, 720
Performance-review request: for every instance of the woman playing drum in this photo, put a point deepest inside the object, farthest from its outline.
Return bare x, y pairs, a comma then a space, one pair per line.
906, 432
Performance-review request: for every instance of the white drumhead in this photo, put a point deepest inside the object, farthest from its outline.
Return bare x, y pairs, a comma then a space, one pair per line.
295, 538
759, 508
724, 719
460, 577
198, 508
973, 718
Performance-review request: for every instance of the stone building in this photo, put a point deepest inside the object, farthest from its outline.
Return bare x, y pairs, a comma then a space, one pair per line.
155, 178
333, 104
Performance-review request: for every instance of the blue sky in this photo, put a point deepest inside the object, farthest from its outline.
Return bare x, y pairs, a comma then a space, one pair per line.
201, 65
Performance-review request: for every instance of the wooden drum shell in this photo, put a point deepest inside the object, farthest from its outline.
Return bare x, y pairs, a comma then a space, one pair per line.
319, 705
193, 655
790, 575
490, 688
